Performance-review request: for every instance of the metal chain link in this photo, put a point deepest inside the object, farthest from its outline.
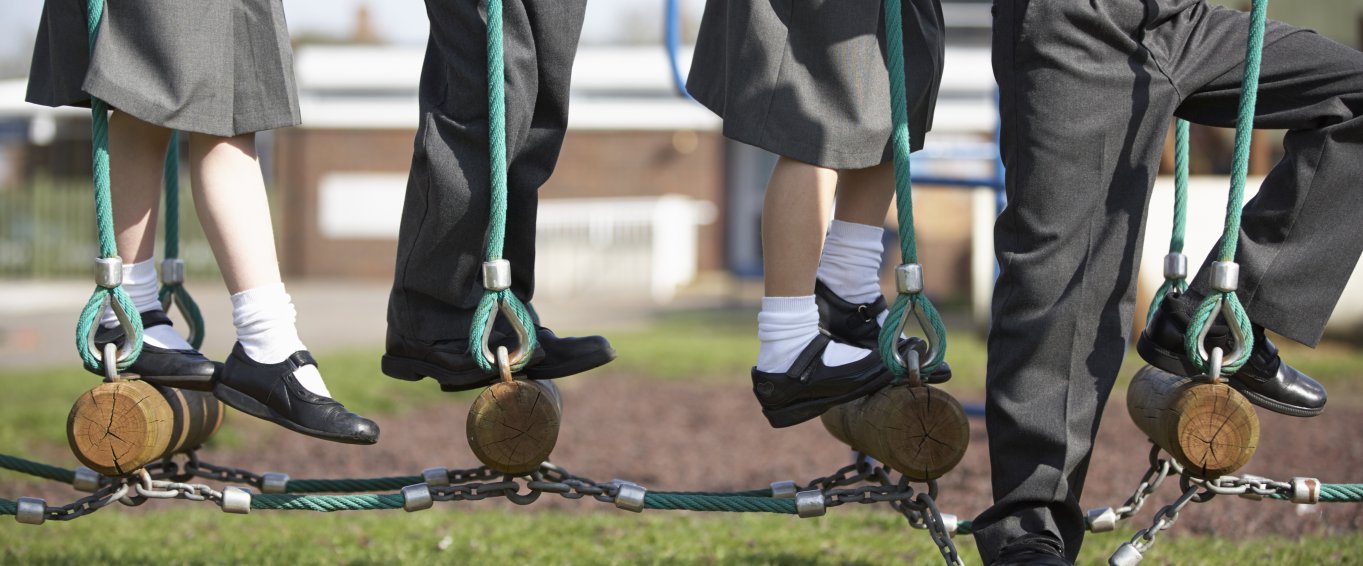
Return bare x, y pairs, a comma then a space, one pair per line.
1164, 520
88, 504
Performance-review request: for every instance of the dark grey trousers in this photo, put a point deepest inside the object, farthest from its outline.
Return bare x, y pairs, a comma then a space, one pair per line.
438, 281
1088, 92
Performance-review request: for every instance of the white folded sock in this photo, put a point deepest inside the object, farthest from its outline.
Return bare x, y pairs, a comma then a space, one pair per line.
139, 281
265, 319
851, 260
785, 326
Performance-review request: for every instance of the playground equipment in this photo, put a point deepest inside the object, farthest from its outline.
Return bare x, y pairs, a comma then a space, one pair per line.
513, 426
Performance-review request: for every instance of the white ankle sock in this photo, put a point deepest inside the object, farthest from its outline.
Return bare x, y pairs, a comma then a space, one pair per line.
265, 318
850, 264
139, 281
785, 326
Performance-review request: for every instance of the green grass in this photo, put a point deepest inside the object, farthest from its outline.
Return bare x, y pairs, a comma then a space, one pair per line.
183, 535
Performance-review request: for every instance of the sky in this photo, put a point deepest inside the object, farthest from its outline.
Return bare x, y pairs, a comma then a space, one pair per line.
399, 21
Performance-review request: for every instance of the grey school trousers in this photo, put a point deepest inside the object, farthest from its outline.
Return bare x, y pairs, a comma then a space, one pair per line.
438, 279
1088, 90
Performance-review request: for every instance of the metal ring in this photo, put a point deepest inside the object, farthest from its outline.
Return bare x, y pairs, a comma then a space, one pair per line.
522, 353
1236, 355
504, 364
929, 334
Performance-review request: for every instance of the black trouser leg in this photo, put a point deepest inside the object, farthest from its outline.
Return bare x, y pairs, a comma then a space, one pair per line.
1300, 237
438, 280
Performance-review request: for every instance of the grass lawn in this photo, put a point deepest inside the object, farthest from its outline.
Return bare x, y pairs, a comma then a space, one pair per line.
183, 535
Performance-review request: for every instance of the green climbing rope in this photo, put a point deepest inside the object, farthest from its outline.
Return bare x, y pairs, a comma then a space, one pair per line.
114, 295
496, 229
1176, 282
723, 503
37, 469
1244, 131
906, 303
326, 503
172, 283
8, 507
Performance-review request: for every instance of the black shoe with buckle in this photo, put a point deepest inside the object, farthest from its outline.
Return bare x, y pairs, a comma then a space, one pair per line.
855, 324
184, 369
1265, 379
1032, 550
809, 387
271, 392
453, 367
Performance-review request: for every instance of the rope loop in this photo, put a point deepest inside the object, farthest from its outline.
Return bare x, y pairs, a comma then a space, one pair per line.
1200, 325
107, 293
917, 306
484, 320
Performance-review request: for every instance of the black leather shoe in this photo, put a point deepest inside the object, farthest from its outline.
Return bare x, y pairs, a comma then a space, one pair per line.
1265, 379
1032, 550
271, 392
855, 324
184, 369
451, 365
849, 322
809, 387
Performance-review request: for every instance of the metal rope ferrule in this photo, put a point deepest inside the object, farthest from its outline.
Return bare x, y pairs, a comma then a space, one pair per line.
1175, 266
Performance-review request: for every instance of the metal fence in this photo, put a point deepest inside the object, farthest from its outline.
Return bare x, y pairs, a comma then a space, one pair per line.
47, 230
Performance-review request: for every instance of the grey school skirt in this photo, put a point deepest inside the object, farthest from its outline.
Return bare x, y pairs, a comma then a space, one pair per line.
807, 79
218, 67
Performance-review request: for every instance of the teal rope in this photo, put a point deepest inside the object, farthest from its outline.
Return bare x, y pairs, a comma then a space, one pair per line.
175, 293
1180, 216
104, 219
8, 507
326, 503
1333, 493
904, 304
39, 469
731, 504
1244, 131
351, 485
765, 492
496, 229
965, 527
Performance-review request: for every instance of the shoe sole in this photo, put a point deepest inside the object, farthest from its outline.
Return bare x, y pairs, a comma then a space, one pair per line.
249, 405
1169, 362
408, 369
807, 410
574, 366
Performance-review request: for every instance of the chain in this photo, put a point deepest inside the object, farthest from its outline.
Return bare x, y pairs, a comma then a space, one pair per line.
1159, 470
1164, 520
88, 504
937, 529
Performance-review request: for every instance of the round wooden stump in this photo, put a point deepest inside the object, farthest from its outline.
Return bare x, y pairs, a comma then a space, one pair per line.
119, 427
513, 425
921, 432
1210, 429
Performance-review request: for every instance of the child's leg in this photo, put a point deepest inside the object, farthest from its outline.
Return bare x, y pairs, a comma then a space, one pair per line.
136, 154
793, 217
229, 194
854, 249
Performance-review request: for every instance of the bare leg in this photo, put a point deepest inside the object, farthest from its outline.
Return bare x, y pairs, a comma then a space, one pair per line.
793, 219
229, 194
136, 153
864, 195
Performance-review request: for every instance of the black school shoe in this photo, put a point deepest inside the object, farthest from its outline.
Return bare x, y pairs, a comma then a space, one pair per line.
271, 392
1032, 550
809, 387
184, 369
455, 369
855, 324
1265, 379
